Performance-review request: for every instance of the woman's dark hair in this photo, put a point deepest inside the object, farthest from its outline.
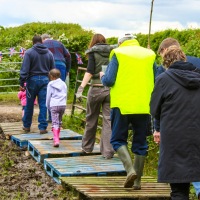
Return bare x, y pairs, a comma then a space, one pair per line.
97, 38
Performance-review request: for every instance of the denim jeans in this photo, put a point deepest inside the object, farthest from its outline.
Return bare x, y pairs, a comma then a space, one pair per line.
63, 70
196, 187
120, 125
36, 86
49, 116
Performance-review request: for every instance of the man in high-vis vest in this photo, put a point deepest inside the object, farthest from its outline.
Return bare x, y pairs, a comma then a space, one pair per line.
130, 74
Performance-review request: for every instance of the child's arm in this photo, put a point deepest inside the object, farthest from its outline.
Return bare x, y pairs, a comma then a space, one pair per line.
19, 95
48, 97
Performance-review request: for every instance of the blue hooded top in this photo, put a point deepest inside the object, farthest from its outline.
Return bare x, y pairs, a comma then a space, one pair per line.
38, 61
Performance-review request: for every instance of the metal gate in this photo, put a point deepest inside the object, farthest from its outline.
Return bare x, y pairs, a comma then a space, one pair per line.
9, 77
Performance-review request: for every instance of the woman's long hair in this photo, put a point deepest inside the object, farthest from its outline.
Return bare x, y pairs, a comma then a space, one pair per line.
97, 38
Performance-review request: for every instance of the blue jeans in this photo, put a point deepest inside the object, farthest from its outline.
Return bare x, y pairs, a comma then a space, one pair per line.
49, 116
196, 187
36, 86
63, 70
120, 126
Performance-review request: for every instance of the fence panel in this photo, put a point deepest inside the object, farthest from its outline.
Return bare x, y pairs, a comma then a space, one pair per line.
9, 77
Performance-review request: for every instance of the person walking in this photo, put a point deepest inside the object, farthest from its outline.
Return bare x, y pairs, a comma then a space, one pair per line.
22, 97
37, 63
98, 97
175, 103
61, 55
130, 74
166, 43
56, 102
62, 58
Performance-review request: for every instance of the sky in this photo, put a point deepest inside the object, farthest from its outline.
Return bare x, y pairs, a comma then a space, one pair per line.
112, 18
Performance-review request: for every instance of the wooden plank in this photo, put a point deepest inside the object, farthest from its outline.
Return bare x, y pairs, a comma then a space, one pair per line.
10, 129
84, 165
21, 140
110, 187
41, 149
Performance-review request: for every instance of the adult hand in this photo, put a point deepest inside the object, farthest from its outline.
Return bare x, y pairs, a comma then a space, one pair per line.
101, 74
79, 93
156, 136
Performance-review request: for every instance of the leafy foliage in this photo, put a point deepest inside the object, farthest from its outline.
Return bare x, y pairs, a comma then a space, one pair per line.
76, 40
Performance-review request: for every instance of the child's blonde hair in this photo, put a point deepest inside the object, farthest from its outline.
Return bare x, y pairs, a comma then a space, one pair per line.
54, 73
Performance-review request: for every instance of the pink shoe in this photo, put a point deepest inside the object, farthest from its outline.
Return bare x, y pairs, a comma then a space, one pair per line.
56, 137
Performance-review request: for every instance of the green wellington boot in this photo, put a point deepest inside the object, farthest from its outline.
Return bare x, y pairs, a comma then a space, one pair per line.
125, 157
138, 166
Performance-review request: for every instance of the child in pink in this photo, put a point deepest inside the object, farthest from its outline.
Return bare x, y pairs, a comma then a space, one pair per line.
22, 97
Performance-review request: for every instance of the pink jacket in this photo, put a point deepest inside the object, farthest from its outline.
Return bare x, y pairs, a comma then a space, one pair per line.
22, 97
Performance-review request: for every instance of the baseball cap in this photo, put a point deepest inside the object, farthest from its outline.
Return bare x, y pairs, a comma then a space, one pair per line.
126, 36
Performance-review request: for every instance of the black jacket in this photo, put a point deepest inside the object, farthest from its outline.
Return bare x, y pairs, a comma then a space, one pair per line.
175, 102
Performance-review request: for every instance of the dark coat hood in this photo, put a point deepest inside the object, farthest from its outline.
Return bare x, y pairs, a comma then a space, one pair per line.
185, 73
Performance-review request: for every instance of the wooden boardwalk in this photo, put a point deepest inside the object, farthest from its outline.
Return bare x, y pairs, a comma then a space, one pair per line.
41, 149
111, 187
94, 165
89, 175
21, 140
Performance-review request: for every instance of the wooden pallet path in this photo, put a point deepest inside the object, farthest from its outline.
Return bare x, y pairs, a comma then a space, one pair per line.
41, 149
88, 175
21, 140
84, 165
15, 128
111, 187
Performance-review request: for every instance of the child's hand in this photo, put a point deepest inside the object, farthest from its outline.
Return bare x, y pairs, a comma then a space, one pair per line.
22, 88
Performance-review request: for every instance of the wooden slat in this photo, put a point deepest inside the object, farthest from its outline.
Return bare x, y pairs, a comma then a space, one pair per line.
41, 149
110, 187
83, 165
10, 129
21, 140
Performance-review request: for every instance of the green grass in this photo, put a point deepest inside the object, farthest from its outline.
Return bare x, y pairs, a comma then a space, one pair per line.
9, 98
12, 99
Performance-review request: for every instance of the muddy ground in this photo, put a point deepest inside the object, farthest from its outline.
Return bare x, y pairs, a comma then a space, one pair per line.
21, 177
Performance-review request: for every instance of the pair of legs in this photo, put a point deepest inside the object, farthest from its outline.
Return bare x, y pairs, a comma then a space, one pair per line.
36, 86
56, 114
120, 127
98, 98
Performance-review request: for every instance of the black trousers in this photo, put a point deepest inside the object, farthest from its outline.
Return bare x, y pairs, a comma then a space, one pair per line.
180, 191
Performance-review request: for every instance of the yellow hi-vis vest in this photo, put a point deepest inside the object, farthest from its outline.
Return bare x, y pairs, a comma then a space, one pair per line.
134, 83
